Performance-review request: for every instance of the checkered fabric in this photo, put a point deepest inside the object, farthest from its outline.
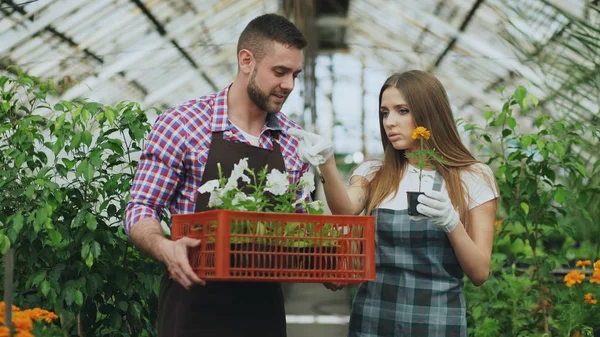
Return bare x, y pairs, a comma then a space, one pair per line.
418, 289
174, 156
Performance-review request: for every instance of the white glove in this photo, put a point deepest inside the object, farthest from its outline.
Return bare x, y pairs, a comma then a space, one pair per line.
313, 148
438, 207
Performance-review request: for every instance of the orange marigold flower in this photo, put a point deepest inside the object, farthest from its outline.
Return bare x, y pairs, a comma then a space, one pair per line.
595, 277
597, 265
421, 132
22, 321
24, 333
583, 263
3, 307
4, 332
590, 299
573, 277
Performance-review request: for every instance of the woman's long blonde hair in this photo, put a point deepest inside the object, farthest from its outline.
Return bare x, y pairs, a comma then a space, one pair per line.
429, 105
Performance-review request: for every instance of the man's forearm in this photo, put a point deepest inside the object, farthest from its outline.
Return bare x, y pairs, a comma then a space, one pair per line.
147, 235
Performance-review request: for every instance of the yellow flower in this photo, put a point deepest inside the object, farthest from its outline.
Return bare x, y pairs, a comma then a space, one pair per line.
583, 263
595, 277
421, 132
590, 299
498, 225
597, 265
573, 277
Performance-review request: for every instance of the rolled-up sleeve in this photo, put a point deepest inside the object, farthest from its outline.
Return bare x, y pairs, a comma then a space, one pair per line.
159, 170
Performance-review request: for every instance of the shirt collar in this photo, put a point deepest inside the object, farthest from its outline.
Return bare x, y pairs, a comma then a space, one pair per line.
220, 122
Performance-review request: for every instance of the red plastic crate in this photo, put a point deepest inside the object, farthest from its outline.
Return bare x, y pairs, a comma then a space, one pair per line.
279, 247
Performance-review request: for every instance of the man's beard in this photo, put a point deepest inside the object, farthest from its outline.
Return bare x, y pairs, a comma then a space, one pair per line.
260, 98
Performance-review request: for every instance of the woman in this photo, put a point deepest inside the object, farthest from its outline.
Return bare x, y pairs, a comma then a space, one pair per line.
420, 261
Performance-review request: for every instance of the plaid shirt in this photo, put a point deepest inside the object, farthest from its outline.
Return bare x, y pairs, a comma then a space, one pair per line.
175, 154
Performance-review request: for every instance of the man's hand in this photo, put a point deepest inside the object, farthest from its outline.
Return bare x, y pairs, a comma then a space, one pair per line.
334, 286
175, 256
438, 207
313, 148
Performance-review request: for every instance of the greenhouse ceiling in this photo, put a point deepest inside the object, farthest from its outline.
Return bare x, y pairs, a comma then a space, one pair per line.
162, 53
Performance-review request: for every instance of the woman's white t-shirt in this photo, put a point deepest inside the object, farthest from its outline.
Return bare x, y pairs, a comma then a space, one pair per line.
477, 183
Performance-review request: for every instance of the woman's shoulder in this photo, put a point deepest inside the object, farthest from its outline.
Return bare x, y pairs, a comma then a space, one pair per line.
367, 168
477, 171
480, 182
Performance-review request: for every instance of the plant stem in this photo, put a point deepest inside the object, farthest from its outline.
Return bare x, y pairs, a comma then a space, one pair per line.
421, 166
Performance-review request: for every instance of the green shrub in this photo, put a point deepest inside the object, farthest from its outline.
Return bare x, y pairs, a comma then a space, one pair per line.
65, 172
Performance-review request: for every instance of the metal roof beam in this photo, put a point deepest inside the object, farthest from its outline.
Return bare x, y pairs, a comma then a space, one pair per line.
161, 30
64, 38
462, 28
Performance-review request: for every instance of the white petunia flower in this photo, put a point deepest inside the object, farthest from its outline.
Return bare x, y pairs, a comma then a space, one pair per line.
318, 204
308, 181
215, 199
241, 197
237, 173
277, 182
209, 186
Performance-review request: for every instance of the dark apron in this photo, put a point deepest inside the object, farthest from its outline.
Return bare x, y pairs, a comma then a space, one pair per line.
225, 309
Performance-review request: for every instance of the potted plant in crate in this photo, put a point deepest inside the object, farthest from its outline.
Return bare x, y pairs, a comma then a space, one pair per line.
274, 244
424, 159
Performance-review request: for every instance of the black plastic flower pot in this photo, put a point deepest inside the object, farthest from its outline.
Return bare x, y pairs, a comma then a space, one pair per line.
413, 202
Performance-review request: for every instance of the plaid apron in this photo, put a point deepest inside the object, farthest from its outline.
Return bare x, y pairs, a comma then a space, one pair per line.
418, 290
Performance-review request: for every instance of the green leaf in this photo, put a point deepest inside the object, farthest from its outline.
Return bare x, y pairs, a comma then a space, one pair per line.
85, 250
534, 99
17, 222
488, 115
527, 140
86, 137
115, 321
4, 243
59, 122
110, 115
90, 221
45, 287
92, 107
75, 141
68, 163
40, 219
95, 249
581, 169
123, 306
560, 150
55, 236
540, 144
78, 297
96, 157
85, 115
525, 208
520, 95
88, 172
560, 195
136, 309
512, 122
68, 295
89, 261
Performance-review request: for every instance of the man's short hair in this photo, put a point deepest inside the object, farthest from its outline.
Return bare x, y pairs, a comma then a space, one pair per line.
269, 27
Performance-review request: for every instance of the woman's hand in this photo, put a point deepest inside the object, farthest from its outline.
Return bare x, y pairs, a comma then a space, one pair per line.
438, 207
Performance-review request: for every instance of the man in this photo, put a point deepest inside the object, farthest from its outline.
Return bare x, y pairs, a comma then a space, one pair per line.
182, 152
